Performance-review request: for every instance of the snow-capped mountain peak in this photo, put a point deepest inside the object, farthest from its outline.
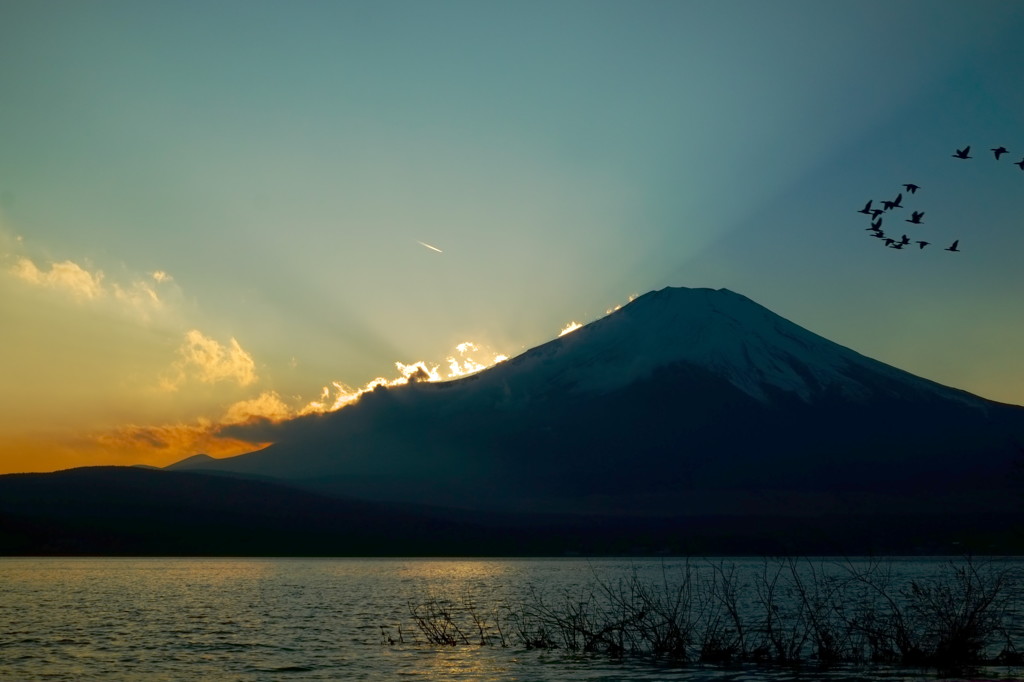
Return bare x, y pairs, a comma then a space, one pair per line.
717, 330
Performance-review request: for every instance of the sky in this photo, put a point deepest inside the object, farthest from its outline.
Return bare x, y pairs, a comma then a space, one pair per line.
212, 212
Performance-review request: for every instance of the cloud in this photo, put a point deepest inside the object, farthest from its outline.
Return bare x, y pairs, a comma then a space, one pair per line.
412, 373
172, 441
268, 405
65, 275
163, 444
267, 418
243, 426
140, 295
618, 306
210, 362
570, 328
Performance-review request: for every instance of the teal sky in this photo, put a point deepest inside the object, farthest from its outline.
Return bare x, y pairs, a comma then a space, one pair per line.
265, 174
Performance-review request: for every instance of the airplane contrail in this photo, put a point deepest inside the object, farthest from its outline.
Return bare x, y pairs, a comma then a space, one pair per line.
433, 248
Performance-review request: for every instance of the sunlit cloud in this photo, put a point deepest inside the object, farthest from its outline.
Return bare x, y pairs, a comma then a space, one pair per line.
210, 362
65, 275
166, 443
172, 442
268, 405
464, 365
468, 360
632, 297
569, 328
141, 295
82, 284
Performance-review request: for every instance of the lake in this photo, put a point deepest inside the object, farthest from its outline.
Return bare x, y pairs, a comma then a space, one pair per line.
252, 619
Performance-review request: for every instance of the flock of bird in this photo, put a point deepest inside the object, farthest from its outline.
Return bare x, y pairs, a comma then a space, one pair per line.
916, 217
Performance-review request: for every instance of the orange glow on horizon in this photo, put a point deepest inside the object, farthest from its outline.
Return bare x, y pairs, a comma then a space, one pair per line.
124, 446
163, 444
204, 362
168, 390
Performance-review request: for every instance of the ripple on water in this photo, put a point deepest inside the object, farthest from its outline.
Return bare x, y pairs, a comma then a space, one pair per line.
252, 620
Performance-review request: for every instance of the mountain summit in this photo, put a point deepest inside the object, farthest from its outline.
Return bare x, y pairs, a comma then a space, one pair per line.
727, 334
684, 402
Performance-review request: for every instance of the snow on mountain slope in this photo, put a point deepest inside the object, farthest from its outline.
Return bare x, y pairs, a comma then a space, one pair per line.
717, 330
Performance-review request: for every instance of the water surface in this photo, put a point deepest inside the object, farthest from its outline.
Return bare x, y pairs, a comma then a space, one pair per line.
320, 619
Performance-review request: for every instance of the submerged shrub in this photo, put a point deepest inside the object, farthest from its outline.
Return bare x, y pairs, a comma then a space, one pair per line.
790, 612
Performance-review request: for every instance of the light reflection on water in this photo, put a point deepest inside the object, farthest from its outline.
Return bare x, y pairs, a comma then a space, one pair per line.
307, 619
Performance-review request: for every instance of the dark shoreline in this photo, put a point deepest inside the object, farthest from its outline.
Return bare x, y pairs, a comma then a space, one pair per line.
122, 511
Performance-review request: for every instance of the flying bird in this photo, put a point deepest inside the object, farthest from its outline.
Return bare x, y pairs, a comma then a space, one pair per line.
904, 240
915, 217
963, 153
911, 187
895, 203
952, 247
895, 245
999, 151
867, 208
875, 212
1020, 163
922, 244
432, 248
876, 224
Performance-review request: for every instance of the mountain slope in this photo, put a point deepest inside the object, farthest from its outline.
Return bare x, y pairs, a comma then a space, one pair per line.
686, 401
725, 333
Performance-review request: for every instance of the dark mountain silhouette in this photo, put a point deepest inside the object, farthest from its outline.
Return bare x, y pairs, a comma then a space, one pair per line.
126, 511
686, 402
141, 511
689, 421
